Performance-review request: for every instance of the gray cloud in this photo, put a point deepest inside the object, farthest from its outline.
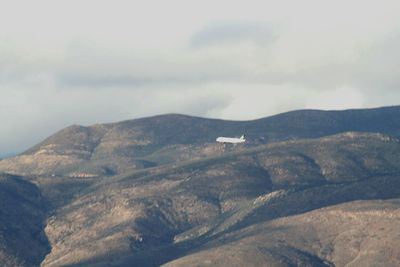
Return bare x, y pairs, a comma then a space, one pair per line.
223, 33
246, 61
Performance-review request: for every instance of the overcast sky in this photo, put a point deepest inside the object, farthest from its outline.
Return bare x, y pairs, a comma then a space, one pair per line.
68, 62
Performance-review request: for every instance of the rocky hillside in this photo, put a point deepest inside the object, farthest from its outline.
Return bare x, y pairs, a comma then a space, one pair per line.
22, 222
361, 233
110, 149
310, 188
164, 213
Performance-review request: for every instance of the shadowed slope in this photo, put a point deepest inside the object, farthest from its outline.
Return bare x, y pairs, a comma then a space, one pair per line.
22, 215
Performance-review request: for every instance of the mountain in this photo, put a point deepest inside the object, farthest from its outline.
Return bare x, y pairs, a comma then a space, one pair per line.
151, 217
110, 149
309, 188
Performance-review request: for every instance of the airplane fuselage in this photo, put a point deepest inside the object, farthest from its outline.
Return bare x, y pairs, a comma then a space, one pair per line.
230, 140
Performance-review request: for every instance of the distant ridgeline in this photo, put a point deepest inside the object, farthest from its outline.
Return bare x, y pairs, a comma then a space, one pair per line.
110, 149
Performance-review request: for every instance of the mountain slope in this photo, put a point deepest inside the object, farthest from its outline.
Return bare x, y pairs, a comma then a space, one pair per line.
22, 215
362, 233
149, 218
109, 149
302, 191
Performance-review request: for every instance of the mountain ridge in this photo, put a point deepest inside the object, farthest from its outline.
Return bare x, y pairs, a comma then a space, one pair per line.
308, 188
113, 148
179, 115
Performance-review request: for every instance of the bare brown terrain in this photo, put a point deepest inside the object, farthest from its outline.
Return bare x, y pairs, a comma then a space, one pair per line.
309, 188
361, 233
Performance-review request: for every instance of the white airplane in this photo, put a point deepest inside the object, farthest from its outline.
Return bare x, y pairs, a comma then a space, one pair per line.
230, 140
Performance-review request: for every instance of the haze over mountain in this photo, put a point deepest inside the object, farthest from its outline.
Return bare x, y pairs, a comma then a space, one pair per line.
309, 188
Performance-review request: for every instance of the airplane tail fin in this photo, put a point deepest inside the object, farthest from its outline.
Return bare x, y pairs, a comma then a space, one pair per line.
243, 137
